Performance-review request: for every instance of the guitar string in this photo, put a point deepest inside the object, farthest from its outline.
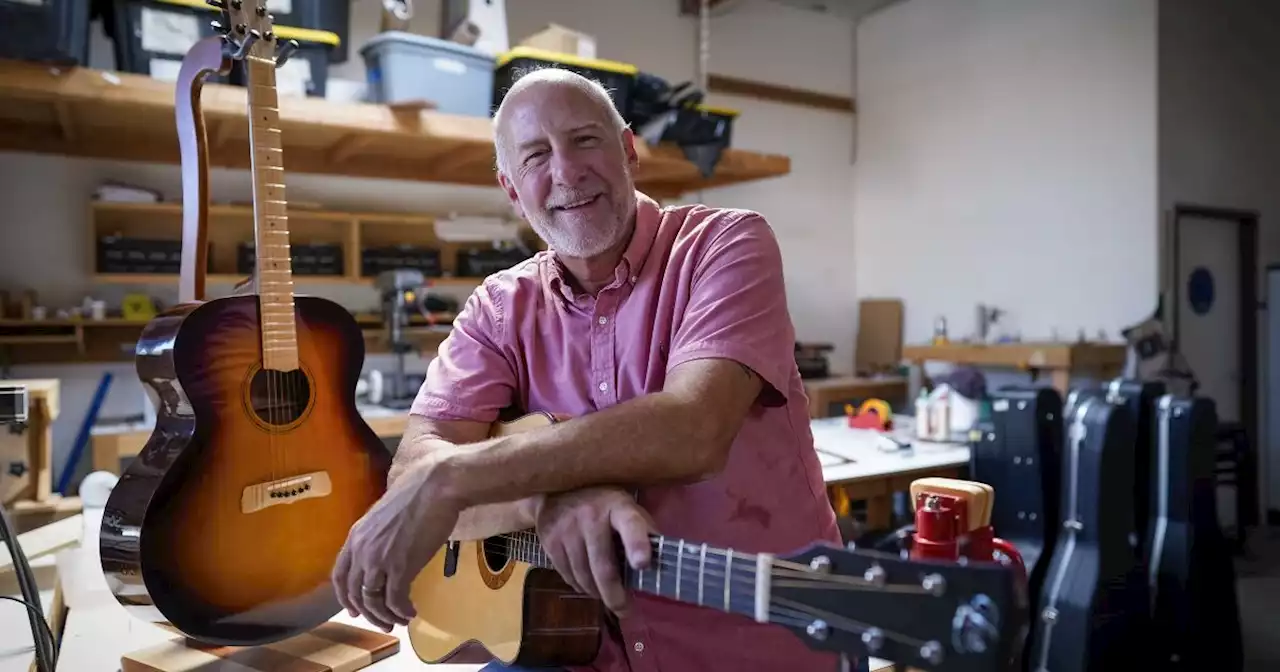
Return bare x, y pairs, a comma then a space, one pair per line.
671, 559
782, 610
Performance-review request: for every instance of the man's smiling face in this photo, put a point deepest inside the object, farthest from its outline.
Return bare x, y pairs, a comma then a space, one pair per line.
567, 167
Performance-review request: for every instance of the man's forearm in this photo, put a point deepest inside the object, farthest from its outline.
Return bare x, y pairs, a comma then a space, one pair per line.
477, 522
652, 439
487, 520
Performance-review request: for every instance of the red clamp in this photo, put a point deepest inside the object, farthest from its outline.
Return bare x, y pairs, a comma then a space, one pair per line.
941, 534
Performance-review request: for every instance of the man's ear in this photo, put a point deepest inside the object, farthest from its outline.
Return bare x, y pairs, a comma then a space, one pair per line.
511, 194
629, 146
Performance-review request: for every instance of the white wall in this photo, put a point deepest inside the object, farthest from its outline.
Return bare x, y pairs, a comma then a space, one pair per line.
811, 209
1007, 156
1219, 142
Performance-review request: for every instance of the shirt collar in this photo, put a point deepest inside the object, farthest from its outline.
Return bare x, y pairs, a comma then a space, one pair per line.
648, 214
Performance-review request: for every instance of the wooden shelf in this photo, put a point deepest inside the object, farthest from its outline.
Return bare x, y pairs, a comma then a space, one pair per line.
230, 225
112, 115
112, 339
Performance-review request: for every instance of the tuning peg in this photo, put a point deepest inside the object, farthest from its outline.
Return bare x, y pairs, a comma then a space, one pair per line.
248, 43
219, 4
218, 26
286, 50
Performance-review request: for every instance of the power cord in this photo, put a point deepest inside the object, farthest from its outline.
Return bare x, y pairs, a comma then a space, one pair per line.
41, 633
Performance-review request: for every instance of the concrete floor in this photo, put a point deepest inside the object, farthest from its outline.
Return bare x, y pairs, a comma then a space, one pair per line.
1258, 588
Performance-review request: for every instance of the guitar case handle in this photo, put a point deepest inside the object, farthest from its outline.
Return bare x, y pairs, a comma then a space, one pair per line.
206, 57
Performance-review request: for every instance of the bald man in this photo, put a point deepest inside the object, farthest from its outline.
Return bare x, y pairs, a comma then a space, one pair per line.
662, 334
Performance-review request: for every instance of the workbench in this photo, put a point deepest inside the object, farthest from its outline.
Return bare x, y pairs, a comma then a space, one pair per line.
97, 631
111, 443
34, 446
827, 396
1060, 360
856, 467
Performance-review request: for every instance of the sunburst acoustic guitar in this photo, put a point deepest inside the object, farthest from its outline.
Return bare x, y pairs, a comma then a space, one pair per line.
501, 599
227, 523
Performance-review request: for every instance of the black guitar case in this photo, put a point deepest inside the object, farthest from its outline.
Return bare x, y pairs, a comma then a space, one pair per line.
1085, 621
1191, 575
1140, 398
1020, 456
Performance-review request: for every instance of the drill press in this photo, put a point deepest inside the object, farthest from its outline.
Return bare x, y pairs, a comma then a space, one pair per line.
403, 295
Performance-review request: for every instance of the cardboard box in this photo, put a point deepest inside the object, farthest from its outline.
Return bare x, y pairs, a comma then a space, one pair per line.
562, 40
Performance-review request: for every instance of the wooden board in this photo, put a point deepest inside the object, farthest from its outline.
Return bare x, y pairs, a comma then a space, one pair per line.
332, 647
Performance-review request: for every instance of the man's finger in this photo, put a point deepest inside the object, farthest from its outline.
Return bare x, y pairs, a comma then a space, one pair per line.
374, 604
604, 570
580, 565
634, 528
397, 597
354, 574
341, 567
560, 560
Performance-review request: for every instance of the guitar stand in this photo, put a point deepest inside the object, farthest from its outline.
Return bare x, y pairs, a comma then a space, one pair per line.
330, 647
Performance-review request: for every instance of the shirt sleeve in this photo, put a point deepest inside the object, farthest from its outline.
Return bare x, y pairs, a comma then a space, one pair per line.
470, 378
737, 307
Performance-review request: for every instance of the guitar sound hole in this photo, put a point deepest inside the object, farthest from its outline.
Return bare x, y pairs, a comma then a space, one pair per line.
495, 554
279, 397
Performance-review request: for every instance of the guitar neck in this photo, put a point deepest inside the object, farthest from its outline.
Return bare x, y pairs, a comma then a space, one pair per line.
274, 272
694, 573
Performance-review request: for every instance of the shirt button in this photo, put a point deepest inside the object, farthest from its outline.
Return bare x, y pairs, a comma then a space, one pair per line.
604, 387
603, 319
639, 647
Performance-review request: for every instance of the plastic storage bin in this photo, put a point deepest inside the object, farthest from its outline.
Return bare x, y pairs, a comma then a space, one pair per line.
618, 78
53, 31
307, 70
402, 67
333, 16
152, 36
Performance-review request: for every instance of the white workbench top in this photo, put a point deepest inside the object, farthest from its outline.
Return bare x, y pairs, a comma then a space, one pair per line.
850, 454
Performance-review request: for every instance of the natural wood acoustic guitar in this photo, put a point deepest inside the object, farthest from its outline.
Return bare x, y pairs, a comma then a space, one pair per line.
227, 524
501, 599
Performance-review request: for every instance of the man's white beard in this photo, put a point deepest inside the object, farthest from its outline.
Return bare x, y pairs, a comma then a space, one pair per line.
583, 244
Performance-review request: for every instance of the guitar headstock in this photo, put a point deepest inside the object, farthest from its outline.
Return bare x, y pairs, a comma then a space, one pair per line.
920, 614
247, 29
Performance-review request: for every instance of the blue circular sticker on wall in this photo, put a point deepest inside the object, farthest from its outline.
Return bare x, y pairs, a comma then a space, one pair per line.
1200, 290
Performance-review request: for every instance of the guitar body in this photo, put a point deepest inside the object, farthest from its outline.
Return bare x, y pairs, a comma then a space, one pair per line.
227, 523
478, 601
475, 604
1192, 578
1083, 623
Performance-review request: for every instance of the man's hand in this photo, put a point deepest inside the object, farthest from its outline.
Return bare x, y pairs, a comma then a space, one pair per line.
389, 546
576, 530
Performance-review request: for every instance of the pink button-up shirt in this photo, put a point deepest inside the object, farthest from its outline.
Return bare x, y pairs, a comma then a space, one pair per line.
694, 282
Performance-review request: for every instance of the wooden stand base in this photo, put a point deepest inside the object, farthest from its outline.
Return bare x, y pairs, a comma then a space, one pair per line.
332, 647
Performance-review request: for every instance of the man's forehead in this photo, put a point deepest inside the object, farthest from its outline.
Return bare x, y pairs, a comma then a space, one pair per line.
551, 108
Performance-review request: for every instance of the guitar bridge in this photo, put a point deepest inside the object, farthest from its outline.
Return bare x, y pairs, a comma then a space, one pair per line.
285, 491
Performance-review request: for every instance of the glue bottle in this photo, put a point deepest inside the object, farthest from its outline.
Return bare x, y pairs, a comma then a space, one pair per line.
922, 415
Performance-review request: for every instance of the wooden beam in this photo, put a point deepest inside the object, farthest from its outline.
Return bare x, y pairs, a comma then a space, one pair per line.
779, 94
